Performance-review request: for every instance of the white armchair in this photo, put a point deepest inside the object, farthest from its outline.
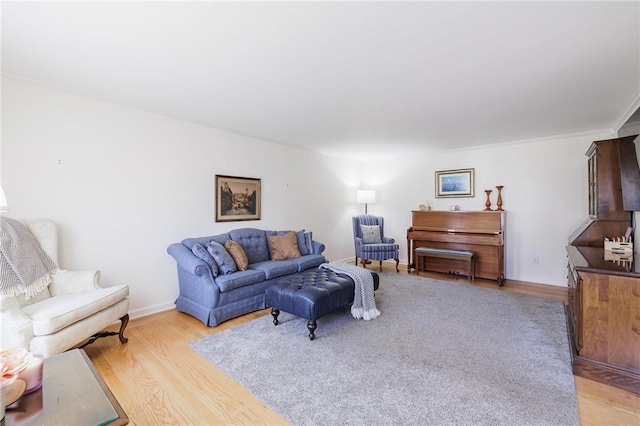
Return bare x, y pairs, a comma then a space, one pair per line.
72, 309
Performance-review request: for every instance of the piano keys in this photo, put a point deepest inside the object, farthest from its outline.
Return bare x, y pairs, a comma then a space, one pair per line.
479, 231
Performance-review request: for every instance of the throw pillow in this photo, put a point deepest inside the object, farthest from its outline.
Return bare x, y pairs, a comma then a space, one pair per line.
308, 240
302, 245
237, 253
371, 234
284, 247
202, 254
222, 257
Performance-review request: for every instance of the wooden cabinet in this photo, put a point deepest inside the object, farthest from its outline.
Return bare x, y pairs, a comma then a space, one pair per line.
604, 318
605, 183
608, 172
603, 314
574, 308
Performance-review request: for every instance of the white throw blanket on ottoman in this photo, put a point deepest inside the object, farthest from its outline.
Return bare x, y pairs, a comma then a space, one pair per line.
364, 303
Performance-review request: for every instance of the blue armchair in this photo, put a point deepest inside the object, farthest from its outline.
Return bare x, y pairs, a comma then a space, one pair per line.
370, 242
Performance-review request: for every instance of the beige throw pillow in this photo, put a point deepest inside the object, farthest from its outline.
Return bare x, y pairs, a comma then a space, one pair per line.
237, 253
284, 247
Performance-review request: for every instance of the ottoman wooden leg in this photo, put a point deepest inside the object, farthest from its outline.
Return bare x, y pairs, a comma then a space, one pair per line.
312, 325
274, 314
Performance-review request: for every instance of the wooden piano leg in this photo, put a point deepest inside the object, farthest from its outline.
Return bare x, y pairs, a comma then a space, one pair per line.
409, 251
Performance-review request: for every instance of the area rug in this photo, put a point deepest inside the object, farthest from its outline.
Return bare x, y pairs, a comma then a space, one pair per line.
441, 353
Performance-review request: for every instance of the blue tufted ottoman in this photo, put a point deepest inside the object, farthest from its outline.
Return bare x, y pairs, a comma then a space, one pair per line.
311, 294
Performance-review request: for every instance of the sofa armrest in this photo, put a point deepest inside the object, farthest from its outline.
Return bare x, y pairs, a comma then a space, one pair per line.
387, 240
188, 261
318, 247
70, 282
16, 329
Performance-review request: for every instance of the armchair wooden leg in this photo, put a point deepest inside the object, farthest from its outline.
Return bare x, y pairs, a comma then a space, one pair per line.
381, 266
356, 263
124, 321
397, 263
363, 262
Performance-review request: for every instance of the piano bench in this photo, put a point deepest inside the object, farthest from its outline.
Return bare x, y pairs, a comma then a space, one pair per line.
441, 253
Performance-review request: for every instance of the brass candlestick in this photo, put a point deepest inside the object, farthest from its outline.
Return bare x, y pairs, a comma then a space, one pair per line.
488, 203
499, 202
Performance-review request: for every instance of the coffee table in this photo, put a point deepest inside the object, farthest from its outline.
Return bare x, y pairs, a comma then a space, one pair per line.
72, 393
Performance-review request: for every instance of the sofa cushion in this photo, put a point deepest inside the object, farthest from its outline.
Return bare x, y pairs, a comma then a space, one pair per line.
377, 248
23, 301
253, 241
284, 247
237, 253
305, 245
308, 240
190, 242
222, 257
239, 279
57, 312
202, 254
220, 239
309, 261
274, 269
302, 247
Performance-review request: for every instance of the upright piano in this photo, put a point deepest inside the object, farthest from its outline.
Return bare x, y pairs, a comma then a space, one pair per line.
479, 231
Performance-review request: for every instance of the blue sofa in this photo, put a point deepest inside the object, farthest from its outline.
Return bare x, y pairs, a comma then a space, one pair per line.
212, 296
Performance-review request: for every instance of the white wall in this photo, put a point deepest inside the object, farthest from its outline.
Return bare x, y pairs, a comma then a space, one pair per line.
631, 128
545, 196
123, 184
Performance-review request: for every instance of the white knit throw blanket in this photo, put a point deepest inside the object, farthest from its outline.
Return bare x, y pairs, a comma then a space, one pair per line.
364, 304
25, 268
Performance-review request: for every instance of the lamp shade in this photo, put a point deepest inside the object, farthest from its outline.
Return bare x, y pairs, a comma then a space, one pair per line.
364, 196
4, 206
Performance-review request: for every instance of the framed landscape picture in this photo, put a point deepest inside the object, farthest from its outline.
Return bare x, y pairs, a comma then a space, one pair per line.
237, 198
455, 183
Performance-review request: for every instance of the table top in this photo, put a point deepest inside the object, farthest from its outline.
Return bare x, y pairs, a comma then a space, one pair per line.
72, 393
596, 259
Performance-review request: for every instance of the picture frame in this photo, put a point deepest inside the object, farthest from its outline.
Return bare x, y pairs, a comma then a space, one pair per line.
455, 183
237, 198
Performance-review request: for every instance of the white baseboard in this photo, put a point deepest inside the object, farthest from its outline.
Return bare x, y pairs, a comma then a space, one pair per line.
143, 312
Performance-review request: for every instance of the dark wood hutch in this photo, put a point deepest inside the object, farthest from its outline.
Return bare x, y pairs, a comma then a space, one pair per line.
604, 289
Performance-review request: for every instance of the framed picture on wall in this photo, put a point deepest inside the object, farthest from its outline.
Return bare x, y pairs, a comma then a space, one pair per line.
237, 198
455, 183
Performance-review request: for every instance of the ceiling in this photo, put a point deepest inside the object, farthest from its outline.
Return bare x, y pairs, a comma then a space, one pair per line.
345, 78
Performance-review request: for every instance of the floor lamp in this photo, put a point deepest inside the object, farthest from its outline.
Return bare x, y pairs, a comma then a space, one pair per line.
365, 196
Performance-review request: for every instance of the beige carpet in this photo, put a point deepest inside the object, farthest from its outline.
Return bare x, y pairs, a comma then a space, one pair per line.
441, 353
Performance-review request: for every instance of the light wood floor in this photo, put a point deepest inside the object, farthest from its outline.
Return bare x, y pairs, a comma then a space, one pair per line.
159, 380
